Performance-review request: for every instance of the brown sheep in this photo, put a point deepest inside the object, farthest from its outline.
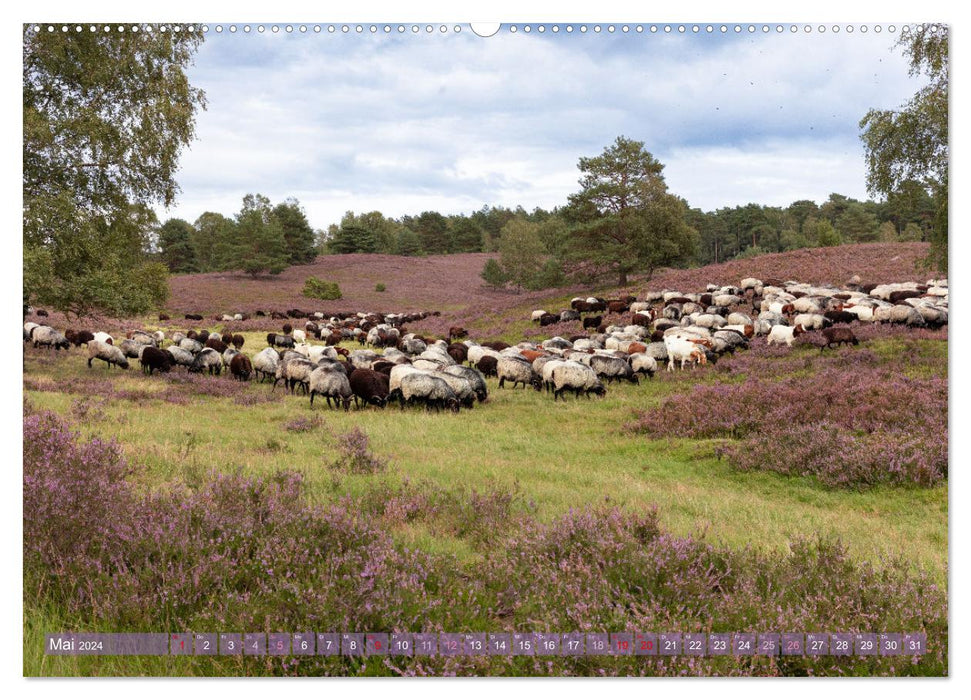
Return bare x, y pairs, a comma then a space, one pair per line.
838, 335
241, 367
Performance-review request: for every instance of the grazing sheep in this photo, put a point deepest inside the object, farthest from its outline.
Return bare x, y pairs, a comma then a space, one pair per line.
838, 335
463, 388
299, 336
241, 367
684, 349
103, 337
488, 365
265, 363
132, 348
207, 360
79, 338
783, 334
592, 321
193, 346
538, 314
577, 378
473, 376
154, 359
642, 363
332, 384
109, 353
428, 389
370, 386
294, 369
611, 368
518, 371
228, 355
216, 344
238, 341
180, 356
48, 337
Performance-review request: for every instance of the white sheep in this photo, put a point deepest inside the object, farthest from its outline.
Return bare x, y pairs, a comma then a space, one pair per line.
783, 334
109, 353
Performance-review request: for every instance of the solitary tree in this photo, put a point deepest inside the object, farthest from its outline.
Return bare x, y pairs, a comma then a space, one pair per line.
911, 142
493, 275
521, 252
106, 116
625, 219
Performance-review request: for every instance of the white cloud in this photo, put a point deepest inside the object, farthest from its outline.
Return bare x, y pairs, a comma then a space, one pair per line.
403, 124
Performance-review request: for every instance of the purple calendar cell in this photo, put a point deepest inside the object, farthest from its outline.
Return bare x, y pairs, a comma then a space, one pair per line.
138, 644
254, 644
230, 644
500, 644
376, 644
402, 644
180, 644
548, 644
476, 643
645, 644
572, 644
719, 644
426, 644
206, 644
621, 643
915, 643
817, 644
769, 644
669, 644
743, 644
598, 644
523, 644
865, 644
891, 644
695, 644
328, 644
451, 644
352, 644
841, 644
793, 644
279, 644
302, 644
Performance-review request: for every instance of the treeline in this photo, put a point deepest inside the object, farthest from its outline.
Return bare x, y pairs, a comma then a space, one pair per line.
261, 238
586, 238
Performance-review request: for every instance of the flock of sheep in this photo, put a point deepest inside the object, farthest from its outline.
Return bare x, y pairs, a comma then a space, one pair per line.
667, 326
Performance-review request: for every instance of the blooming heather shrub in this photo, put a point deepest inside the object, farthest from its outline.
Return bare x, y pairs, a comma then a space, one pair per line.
860, 426
250, 553
88, 409
355, 456
303, 424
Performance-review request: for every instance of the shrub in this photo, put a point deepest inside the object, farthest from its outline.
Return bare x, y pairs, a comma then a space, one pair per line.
316, 288
379, 287
355, 455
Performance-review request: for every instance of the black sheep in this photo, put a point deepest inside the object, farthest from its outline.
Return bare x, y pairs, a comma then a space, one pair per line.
241, 367
488, 365
549, 319
370, 386
154, 359
592, 321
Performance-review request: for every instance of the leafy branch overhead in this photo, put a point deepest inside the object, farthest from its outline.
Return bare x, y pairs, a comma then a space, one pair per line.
106, 117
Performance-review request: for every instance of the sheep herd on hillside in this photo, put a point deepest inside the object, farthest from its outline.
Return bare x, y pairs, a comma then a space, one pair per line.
396, 366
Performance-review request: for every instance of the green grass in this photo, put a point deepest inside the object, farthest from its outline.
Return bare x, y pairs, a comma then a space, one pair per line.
556, 456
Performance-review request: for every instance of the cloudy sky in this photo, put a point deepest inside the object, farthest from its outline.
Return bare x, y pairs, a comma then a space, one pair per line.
403, 123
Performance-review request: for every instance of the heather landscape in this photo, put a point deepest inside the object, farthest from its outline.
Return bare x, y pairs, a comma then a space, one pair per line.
780, 488
378, 329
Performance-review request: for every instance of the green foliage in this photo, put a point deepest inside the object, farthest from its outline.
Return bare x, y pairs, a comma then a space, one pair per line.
793, 240
407, 243
316, 288
858, 225
432, 229
257, 245
298, 234
176, 243
465, 235
380, 287
753, 251
826, 235
911, 142
493, 274
520, 252
105, 117
625, 219
212, 240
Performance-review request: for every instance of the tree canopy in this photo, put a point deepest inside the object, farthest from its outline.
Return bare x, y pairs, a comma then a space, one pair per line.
106, 117
911, 143
625, 219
